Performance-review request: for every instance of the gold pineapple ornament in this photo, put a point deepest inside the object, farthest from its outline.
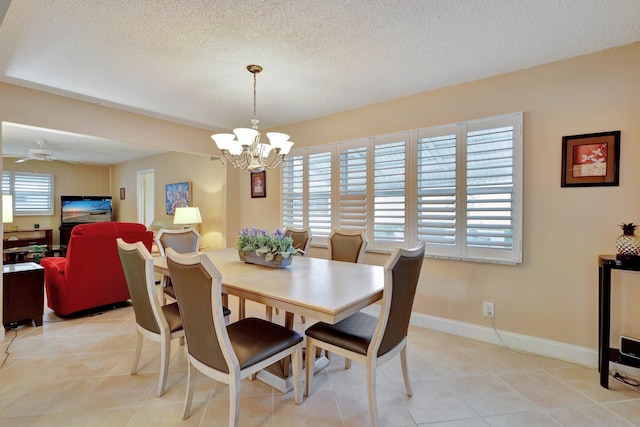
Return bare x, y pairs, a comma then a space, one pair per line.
628, 244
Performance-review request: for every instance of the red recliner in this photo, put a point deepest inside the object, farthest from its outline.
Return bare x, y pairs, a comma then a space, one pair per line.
91, 274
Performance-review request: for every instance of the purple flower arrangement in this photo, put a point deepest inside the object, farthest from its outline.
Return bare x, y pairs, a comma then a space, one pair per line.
264, 243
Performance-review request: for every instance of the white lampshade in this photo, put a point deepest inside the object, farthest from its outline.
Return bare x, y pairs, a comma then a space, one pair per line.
223, 140
187, 215
246, 136
7, 208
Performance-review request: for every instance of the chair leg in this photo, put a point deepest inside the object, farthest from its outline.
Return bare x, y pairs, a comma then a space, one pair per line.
405, 371
234, 398
163, 285
309, 365
347, 363
191, 383
371, 391
297, 371
165, 350
136, 358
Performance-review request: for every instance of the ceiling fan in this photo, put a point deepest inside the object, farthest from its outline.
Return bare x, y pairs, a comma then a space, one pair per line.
38, 153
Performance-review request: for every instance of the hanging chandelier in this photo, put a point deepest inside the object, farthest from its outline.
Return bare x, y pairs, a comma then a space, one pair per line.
243, 148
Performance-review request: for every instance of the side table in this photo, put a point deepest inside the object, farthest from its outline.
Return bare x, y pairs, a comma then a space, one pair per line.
606, 354
23, 295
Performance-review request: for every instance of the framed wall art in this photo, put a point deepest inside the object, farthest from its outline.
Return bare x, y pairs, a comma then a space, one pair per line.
258, 184
591, 160
122, 193
177, 195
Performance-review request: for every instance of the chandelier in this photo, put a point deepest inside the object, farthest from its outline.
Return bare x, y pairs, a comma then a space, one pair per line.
243, 148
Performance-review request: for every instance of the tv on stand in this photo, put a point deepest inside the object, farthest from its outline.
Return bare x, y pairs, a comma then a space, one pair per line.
76, 210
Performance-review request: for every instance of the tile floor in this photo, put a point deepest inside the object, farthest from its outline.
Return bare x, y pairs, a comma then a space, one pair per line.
76, 373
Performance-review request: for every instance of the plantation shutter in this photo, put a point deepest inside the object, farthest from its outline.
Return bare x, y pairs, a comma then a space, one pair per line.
32, 193
320, 194
389, 220
436, 186
490, 188
293, 192
6, 182
353, 189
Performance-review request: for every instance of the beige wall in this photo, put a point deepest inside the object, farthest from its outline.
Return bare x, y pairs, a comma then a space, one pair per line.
208, 190
69, 180
553, 293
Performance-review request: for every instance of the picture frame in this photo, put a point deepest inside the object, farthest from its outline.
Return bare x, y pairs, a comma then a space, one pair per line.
122, 193
258, 184
177, 195
591, 160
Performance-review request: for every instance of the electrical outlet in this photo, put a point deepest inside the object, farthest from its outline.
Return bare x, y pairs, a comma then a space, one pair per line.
488, 309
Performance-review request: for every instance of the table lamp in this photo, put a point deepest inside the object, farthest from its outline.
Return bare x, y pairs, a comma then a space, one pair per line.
7, 208
187, 216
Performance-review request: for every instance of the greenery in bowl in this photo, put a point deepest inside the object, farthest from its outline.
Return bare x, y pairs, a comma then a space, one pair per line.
264, 243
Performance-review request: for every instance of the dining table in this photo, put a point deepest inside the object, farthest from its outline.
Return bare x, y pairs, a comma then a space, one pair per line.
317, 288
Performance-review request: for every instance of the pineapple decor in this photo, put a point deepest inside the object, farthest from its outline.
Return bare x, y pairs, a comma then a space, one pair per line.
628, 243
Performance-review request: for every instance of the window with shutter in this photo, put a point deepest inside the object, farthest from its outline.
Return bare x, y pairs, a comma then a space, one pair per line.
32, 192
458, 188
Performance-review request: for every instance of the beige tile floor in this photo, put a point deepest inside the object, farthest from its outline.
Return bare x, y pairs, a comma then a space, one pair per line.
76, 373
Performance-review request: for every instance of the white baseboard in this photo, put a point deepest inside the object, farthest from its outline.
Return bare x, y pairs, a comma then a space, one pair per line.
530, 344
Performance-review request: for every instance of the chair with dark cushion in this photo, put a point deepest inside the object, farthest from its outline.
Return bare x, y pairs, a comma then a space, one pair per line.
225, 353
91, 275
374, 340
160, 323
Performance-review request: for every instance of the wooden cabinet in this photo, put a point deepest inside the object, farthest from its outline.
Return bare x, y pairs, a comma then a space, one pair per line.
18, 238
65, 233
23, 296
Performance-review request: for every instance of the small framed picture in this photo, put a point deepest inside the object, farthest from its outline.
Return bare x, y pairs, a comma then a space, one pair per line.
591, 160
122, 193
258, 184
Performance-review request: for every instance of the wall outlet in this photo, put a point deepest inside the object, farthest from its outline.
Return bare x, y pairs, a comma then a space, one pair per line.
488, 309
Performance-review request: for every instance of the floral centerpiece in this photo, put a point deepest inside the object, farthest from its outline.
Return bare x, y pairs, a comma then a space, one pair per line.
258, 246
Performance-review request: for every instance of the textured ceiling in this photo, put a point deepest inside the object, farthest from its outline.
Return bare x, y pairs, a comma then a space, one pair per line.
185, 60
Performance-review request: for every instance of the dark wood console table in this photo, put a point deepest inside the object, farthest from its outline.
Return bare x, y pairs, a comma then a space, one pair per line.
606, 354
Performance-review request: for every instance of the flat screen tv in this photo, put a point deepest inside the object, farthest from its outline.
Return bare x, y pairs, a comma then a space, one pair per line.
85, 209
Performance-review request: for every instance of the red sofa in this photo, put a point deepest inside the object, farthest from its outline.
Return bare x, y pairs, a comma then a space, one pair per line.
91, 274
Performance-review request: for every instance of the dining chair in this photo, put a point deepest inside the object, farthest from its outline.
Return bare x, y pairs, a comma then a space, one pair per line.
374, 340
225, 353
301, 240
160, 323
347, 245
183, 241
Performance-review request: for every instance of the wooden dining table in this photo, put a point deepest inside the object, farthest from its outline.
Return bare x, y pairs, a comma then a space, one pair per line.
318, 288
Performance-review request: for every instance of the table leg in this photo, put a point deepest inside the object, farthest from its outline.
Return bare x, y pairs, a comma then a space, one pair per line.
604, 327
